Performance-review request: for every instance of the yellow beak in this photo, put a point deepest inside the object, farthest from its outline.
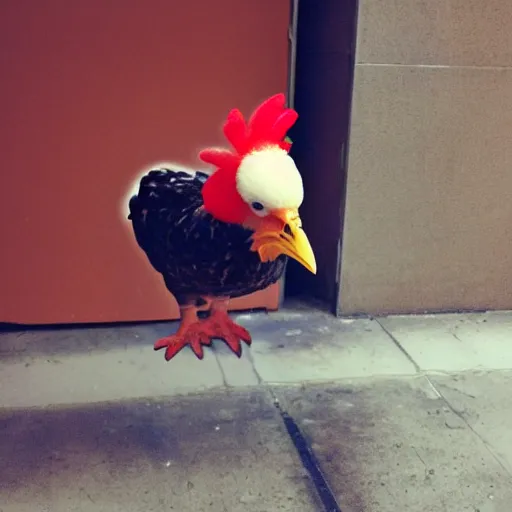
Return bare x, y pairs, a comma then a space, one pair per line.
282, 233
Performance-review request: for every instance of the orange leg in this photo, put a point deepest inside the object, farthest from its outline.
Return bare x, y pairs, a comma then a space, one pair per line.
198, 333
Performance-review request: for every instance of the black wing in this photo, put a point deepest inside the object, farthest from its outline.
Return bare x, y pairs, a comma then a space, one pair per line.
165, 198
196, 254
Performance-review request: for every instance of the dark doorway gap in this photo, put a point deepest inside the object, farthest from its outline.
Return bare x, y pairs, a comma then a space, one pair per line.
322, 94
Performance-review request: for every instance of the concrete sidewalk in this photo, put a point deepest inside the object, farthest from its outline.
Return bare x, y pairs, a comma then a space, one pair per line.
407, 414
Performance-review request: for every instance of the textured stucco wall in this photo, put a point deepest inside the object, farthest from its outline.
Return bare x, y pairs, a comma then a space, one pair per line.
428, 222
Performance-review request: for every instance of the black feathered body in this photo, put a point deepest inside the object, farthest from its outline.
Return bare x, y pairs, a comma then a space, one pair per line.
196, 254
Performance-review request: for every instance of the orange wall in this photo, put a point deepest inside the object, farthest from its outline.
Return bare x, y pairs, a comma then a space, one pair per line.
91, 93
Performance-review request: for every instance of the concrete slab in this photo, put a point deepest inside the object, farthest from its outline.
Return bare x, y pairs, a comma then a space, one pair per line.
236, 372
115, 369
222, 452
82, 365
388, 446
454, 343
307, 345
484, 400
387, 437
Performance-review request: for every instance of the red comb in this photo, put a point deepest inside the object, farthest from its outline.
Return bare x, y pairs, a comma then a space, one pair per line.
267, 126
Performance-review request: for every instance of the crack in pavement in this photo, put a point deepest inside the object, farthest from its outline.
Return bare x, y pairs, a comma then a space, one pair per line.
461, 416
437, 389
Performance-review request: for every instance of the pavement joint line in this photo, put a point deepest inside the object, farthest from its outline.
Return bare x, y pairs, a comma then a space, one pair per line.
399, 346
222, 372
308, 459
251, 359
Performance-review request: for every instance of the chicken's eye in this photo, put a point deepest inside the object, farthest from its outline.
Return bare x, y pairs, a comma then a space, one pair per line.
257, 206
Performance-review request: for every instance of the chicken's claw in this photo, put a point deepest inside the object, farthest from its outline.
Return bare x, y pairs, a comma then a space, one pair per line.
202, 333
222, 327
193, 335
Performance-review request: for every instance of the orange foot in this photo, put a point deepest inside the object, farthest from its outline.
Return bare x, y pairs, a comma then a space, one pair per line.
198, 333
220, 326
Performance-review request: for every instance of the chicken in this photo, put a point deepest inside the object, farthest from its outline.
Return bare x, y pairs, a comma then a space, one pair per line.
218, 236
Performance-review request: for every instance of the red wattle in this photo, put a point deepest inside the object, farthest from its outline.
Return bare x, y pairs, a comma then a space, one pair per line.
221, 198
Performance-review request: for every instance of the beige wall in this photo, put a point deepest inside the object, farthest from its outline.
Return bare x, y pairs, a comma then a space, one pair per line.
428, 221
